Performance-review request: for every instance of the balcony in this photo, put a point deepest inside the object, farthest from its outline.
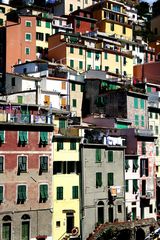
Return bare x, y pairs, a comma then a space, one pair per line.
25, 118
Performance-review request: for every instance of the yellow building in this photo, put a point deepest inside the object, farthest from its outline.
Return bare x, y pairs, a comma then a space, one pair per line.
112, 19
66, 189
84, 52
4, 9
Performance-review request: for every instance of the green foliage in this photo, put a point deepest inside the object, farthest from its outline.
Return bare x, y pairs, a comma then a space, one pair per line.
142, 8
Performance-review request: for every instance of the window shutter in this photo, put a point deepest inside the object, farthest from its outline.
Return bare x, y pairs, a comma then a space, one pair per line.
110, 156
1, 193
75, 192
98, 155
2, 136
110, 179
135, 165
98, 179
127, 164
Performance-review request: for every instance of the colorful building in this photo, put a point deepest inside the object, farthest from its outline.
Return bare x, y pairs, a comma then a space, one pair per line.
26, 173
65, 180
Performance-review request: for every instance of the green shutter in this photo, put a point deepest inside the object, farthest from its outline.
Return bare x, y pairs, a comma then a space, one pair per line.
78, 23
80, 65
135, 186
75, 192
62, 123
1, 193
98, 155
22, 193
89, 55
112, 26
20, 99
136, 103
157, 151
110, 179
117, 58
22, 164
142, 121
98, 179
6, 231
72, 63
74, 103
110, 156
44, 163
23, 137
105, 55
48, 24
127, 185
143, 148
82, 88
80, 51
1, 136
43, 192
136, 120
38, 22
72, 145
92, 26
135, 165
127, 165
25, 230
59, 145
73, 86
97, 56
44, 138
59, 193
71, 50
142, 103
1, 164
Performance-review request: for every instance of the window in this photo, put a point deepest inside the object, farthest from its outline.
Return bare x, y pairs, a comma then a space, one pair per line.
75, 192
105, 55
1, 137
117, 58
73, 87
124, 61
97, 68
88, 67
78, 23
21, 197
22, 164
110, 179
143, 148
106, 68
156, 115
44, 138
80, 51
20, 99
124, 30
71, 49
89, 54
110, 156
72, 145
38, 23
25, 230
72, 63
127, 165
112, 26
142, 121
136, 118
135, 186
59, 145
142, 103
150, 208
1, 22
28, 23
58, 223
2, 10
63, 85
98, 155
97, 56
127, 185
74, 102
43, 193
23, 138
6, 231
1, 194
1, 164
157, 151
13, 81
80, 65
156, 130
39, 36
136, 103
47, 36
119, 208
43, 164
117, 71
92, 26
48, 24
135, 165
71, 7
98, 179
27, 50
82, 88
59, 193
28, 36
144, 167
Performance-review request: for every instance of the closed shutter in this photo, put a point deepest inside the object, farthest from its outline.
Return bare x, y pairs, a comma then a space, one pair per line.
98, 155
110, 179
98, 179
110, 156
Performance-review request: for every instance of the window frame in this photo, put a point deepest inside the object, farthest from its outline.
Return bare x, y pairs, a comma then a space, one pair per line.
3, 164
41, 187
75, 192
27, 50
59, 193
28, 34
22, 157
41, 162
28, 22
24, 199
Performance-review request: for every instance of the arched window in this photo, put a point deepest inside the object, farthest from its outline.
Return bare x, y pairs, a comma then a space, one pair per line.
6, 227
25, 227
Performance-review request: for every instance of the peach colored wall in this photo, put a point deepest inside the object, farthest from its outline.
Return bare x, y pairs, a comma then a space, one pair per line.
16, 44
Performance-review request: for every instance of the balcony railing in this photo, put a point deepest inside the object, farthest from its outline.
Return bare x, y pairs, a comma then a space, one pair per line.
25, 118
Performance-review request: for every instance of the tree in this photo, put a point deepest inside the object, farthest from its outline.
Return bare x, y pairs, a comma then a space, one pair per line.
142, 8
156, 8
